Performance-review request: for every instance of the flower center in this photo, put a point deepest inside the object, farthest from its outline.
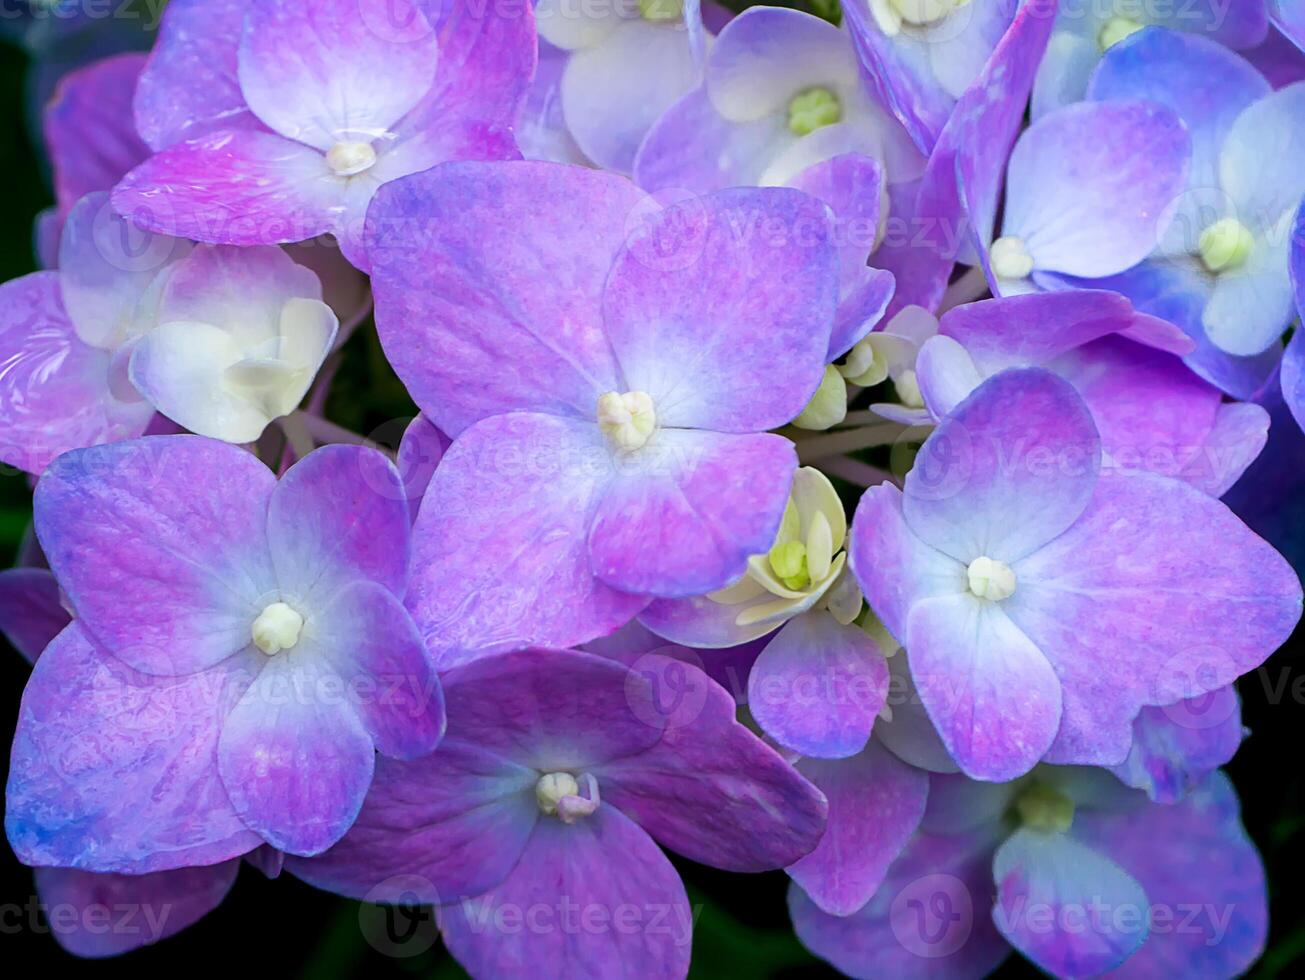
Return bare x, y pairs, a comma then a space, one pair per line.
1010, 258
813, 108
659, 11
277, 628
349, 157
1225, 245
990, 579
1115, 30
558, 795
891, 14
1043, 808
628, 420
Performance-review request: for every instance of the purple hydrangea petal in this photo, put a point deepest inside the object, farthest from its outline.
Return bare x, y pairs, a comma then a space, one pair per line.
1177, 745
373, 644
189, 86
553, 709
1253, 166
693, 147
337, 516
161, 546
500, 559
487, 56
992, 694
683, 516
709, 789
875, 805
160, 904
892, 565
982, 484
442, 828
337, 69
603, 861
504, 284
31, 615
1238, 436
1177, 292
908, 732
965, 171
928, 918
89, 129
294, 757
1152, 412
946, 374
996, 332
1091, 185
55, 391
762, 57
689, 271
113, 770
697, 621
241, 187
1293, 377
852, 185
1048, 877
818, 686
1201, 80
108, 270
420, 451
1225, 597
614, 91
1202, 876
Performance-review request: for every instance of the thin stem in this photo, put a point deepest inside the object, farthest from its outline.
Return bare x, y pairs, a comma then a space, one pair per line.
325, 431
848, 440
857, 473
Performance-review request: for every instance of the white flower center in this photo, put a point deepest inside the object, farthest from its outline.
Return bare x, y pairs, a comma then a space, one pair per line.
990, 579
558, 795
1226, 245
349, 157
908, 389
1116, 29
891, 14
628, 419
277, 628
1010, 258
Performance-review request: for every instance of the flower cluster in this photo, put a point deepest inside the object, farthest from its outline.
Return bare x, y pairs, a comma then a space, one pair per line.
822, 428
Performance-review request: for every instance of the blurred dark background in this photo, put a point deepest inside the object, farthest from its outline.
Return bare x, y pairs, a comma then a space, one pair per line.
287, 929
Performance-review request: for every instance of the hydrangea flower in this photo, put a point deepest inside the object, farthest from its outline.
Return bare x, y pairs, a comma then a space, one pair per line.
1151, 412
996, 569
782, 90
1086, 32
613, 446
241, 334
821, 681
784, 103
560, 771
1089, 192
323, 103
65, 338
238, 656
1227, 246
627, 62
1077, 873
923, 55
